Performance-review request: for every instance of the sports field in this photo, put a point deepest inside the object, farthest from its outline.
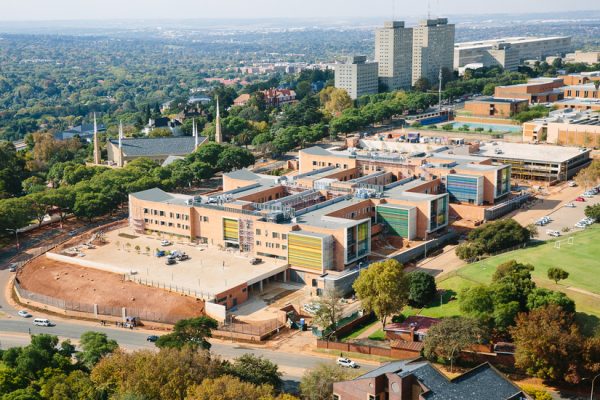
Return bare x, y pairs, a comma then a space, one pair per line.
581, 259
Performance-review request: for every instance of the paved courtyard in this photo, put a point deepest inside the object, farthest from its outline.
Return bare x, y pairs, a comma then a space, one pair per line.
209, 270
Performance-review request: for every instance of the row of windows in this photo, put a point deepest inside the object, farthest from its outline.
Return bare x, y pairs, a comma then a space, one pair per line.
274, 235
324, 164
161, 213
272, 245
164, 223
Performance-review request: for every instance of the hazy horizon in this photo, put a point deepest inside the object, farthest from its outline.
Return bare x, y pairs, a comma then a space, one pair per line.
74, 10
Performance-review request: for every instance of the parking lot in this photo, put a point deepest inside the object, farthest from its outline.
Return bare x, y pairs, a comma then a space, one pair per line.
566, 217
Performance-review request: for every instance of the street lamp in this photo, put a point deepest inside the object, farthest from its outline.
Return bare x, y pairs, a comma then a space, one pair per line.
592, 392
16, 236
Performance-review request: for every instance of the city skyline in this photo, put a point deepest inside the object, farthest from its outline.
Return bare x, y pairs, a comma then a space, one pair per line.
60, 10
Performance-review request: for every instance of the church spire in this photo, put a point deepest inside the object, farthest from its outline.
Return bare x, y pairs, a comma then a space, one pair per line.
97, 159
120, 134
195, 133
218, 133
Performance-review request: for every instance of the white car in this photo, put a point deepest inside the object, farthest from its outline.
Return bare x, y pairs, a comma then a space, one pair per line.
580, 225
311, 308
570, 205
346, 362
572, 183
24, 314
551, 232
165, 242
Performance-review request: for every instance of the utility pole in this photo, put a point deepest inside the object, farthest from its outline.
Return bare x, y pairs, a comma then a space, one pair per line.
440, 91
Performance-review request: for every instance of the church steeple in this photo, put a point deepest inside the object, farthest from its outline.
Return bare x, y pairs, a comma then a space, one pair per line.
97, 159
195, 133
218, 133
120, 162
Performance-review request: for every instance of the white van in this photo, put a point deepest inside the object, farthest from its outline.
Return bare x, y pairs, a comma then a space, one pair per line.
42, 322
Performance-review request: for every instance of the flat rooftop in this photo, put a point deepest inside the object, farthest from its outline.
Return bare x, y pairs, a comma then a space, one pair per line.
209, 270
530, 152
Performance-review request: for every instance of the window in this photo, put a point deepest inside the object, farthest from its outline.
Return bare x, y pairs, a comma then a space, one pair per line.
161, 213
258, 231
284, 236
336, 397
204, 219
178, 216
170, 215
258, 242
275, 235
284, 247
179, 226
145, 211
372, 397
170, 224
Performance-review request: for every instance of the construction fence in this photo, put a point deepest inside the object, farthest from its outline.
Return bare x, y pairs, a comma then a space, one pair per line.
199, 294
97, 310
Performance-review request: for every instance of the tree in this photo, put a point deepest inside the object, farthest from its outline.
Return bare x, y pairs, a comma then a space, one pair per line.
557, 274
90, 205
422, 288
233, 157
540, 297
75, 386
422, 84
95, 345
383, 288
477, 302
167, 374
229, 388
450, 336
192, 332
255, 370
329, 309
335, 100
160, 132
593, 212
317, 382
548, 344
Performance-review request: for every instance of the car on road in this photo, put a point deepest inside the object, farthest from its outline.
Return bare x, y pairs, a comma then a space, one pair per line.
152, 338
346, 362
42, 322
553, 233
165, 242
24, 314
570, 205
12, 267
579, 198
72, 233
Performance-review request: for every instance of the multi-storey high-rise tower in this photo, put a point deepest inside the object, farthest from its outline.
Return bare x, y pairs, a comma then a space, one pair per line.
393, 52
433, 49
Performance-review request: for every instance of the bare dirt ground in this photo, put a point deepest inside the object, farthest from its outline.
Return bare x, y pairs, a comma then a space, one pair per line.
86, 285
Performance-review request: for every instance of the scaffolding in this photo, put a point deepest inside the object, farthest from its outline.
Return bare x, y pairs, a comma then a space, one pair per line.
246, 235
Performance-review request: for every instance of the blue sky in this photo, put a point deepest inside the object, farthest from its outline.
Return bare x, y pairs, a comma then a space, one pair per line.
19, 10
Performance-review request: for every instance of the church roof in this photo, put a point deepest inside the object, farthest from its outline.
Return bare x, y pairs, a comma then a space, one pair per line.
162, 146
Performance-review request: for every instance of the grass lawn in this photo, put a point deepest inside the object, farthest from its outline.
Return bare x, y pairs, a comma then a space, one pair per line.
358, 332
379, 334
581, 260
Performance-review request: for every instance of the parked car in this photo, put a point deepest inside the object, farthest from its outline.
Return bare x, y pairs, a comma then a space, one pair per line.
160, 253
183, 257
580, 225
588, 195
12, 267
570, 205
152, 338
24, 314
346, 362
165, 242
572, 183
579, 199
170, 261
553, 233
256, 261
311, 308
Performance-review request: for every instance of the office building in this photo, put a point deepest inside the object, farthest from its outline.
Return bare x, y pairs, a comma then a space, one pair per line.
502, 54
357, 76
585, 57
495, 107
421, 380
393, 53
525, 48
538, 90
433, 49
584, 91
566, 128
